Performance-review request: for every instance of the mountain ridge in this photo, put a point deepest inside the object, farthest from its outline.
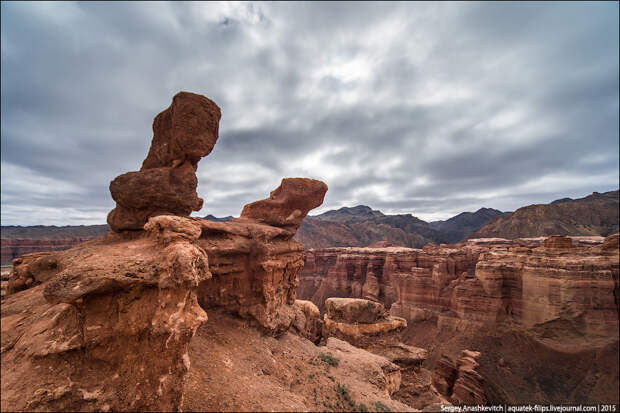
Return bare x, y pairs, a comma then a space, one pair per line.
594, 214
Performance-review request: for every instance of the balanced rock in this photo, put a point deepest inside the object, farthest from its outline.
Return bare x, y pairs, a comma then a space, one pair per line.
288, 204
166, 183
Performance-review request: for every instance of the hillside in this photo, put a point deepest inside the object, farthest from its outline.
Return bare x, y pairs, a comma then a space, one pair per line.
360, 226
459, 227
595, 214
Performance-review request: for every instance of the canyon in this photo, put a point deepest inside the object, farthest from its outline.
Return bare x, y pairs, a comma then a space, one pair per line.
557, 296
17, 241
162, 308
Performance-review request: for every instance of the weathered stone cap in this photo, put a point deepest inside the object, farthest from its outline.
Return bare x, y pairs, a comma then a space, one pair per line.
288, 204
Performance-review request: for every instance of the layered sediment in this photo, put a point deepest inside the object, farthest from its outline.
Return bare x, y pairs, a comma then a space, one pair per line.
535, 284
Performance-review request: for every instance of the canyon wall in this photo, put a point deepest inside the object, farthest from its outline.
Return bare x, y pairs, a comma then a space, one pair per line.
545, 286
17, 241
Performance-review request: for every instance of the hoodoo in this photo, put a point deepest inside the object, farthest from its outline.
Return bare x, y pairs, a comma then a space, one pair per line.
166, 184
106, 325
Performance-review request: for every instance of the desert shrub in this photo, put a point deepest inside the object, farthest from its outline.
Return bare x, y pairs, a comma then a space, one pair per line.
329, 359
380, 407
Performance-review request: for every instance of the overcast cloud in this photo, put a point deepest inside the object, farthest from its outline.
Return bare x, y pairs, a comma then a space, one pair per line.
431, 109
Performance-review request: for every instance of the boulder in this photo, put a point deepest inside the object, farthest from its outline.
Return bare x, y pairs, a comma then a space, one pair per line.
355, 310
307, 321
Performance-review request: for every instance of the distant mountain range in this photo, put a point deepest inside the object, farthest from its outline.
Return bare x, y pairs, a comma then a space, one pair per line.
595, 214
362, 226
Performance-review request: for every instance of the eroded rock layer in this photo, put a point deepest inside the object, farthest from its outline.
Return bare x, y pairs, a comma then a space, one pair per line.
84, 339
355, 320
540, 286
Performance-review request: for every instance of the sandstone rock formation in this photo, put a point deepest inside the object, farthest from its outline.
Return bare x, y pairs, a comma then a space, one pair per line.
471, 285
308, 322
31, 270
556, 297
460, 381
90, 330
387, 375
360, 322
288, 204
106, 325
256, 266
166, 183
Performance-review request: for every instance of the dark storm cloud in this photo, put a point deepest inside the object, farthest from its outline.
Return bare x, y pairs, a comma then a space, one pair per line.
423, 108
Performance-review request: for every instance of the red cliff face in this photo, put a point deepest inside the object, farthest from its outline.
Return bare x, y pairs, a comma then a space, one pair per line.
539, 286
403, 279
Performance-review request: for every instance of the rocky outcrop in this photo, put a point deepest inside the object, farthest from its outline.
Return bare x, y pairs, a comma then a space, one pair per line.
31, 270
90, 330
256, 266
358, 321
308, 322
595, 214
558, 241
166, 183
459, 380
406, 281
352, 310
562, 292
81, 327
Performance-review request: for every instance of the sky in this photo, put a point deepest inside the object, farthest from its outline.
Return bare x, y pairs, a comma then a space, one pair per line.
425, 108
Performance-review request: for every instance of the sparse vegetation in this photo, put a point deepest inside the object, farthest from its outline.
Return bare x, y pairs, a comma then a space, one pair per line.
329, 359
380, 407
